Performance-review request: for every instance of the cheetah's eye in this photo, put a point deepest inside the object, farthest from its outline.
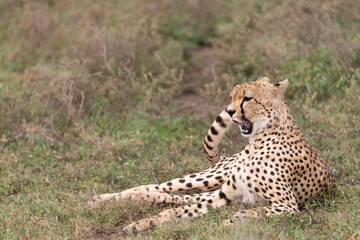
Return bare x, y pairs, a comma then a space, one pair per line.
247, 99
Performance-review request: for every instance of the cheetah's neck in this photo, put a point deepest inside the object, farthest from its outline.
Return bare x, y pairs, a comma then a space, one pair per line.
282, 125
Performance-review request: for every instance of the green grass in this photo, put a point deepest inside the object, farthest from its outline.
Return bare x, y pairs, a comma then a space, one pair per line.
44, 186
89, 104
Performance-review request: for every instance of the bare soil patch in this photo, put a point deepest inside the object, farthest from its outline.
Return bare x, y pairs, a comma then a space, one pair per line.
196, 76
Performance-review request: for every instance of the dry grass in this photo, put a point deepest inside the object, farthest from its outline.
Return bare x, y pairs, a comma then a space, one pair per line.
139, 49
274, 40
263, 42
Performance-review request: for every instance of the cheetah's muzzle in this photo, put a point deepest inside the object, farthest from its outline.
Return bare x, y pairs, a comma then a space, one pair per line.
245, 125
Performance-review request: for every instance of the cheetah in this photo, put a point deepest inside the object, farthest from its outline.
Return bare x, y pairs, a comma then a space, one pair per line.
277, 172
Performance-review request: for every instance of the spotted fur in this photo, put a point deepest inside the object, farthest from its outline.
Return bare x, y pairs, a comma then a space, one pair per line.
276, 172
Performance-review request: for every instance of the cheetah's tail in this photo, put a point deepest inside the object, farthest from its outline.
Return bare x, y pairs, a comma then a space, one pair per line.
214, 136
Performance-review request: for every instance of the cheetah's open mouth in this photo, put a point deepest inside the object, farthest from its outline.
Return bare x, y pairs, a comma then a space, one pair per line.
245, 125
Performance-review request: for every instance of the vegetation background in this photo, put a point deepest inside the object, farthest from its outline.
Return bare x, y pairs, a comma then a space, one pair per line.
101, 96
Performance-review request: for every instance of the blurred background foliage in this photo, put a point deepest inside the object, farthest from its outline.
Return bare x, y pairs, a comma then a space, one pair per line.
75, 59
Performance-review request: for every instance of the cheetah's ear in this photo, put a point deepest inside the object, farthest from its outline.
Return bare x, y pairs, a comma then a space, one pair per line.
282, 85
263, 79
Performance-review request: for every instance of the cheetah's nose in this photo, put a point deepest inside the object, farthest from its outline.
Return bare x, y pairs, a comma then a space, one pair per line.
230, 112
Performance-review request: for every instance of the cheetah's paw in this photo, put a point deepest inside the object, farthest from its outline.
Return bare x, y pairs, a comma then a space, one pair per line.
139, 226
103, 198
228, 222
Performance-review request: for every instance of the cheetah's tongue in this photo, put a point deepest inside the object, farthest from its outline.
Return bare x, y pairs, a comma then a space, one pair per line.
245, 125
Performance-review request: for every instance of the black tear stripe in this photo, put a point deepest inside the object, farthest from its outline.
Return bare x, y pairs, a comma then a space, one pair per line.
241, 107
213, 130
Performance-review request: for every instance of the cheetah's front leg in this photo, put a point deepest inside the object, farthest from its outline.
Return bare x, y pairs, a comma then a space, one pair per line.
154, 197
278, 205
208, 180
216, 199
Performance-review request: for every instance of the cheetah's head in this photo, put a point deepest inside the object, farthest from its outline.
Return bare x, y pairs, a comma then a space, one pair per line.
257, 104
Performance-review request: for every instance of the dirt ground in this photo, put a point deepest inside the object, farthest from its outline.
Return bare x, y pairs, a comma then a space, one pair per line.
196, 76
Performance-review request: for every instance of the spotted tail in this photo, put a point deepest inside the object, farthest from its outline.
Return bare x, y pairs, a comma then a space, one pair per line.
214, 136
